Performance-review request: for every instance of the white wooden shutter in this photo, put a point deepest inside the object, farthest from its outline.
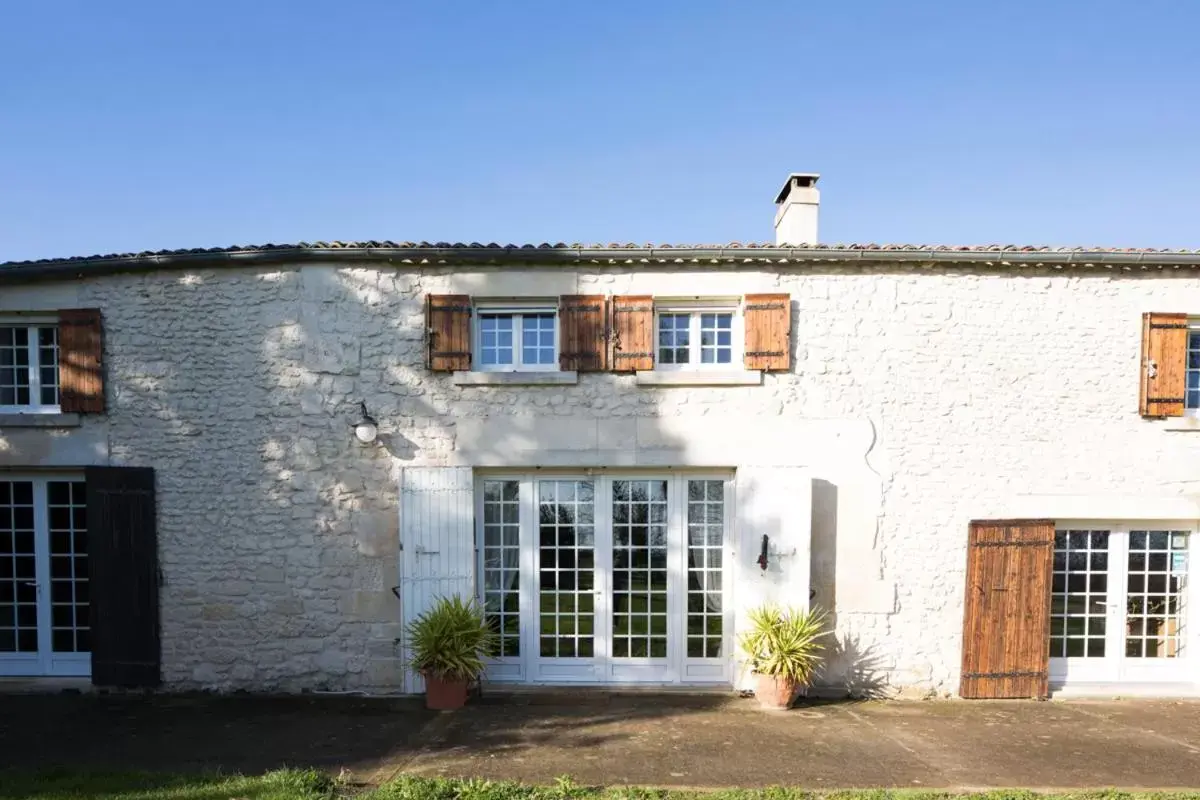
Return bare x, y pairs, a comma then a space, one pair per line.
437, 543
776, 501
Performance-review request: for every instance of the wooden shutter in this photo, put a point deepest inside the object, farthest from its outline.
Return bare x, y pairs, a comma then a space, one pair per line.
632, 333
122, 543
768, 320
1006, 617
583, 342
448, 328
81, 361
437, 544
1164, 365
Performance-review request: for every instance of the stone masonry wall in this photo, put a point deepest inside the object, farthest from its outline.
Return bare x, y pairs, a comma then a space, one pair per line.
278, 533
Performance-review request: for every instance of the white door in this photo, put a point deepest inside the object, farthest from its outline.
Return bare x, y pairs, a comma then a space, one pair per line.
1119, 605
607, 579
437, 543
43, 577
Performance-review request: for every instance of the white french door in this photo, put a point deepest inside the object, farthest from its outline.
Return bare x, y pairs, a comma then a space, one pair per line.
1120, 604
607, 579
43, 577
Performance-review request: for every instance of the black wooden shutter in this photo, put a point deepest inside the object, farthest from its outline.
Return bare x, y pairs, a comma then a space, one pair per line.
123, 559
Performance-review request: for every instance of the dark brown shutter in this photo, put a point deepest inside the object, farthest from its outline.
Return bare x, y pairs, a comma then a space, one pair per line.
448, 327
81, 361
583, 344
768, 319
1006, 616
1164, 365
632, 333
122, 543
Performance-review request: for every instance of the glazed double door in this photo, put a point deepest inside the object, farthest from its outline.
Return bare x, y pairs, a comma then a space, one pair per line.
44, 628
1120, 604
606, 579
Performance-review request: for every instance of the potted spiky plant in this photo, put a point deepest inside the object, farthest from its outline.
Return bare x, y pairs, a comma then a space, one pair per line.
447, 645
783, 648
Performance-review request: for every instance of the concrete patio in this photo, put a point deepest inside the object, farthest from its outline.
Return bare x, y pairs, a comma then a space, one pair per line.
705, 740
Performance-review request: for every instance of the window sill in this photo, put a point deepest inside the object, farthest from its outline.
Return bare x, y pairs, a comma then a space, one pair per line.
1190, 423
569, 378
748, 377
17, 419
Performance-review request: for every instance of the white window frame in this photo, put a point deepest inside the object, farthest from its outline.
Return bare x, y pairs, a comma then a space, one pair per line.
518, 311
531, 667
31, 323
695, 308
1192, 329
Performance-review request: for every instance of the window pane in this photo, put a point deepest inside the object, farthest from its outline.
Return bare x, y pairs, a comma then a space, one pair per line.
14, 366
48, 364
496, 340
1192, 398
566, 560
1079, 594
673, 338
501, 562
537, 339
716, 338
705, 539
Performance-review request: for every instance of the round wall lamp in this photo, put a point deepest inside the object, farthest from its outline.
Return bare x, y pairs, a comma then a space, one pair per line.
365, 429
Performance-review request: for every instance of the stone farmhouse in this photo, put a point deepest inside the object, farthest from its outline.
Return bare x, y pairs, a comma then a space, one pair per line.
249, 467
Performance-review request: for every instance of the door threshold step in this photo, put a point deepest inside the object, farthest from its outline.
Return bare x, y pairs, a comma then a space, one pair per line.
44, 685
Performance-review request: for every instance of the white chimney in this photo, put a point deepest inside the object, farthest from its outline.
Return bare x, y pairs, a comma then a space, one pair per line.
796, 209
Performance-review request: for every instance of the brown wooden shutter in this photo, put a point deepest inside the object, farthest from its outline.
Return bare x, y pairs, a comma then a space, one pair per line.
1006, 616
583, 342
1164, 365
81, 361
122, 548
768, 320
632, 333
448, 328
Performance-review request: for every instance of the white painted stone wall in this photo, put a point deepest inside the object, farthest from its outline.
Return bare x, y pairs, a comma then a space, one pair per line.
920, 399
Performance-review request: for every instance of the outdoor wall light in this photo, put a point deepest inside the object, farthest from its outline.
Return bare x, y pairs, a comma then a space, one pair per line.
365, 429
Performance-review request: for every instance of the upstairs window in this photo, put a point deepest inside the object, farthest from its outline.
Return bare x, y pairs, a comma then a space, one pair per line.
698, 338
516, 339
1192, 398
29, 367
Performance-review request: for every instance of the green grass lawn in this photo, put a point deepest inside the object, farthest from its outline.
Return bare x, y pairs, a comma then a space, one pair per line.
312, 785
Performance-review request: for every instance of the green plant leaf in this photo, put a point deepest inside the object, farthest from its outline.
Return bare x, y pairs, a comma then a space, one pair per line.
450, 640
785, 642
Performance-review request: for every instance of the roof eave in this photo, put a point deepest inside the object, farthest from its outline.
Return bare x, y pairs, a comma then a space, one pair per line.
666, 257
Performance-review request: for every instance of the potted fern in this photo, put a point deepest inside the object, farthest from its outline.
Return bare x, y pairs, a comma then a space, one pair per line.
783, 648
447, 645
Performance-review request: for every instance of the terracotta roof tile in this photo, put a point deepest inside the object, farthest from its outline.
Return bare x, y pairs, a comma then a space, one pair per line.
616, 252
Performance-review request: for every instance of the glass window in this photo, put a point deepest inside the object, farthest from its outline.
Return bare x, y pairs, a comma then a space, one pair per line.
1155, 594
698, 339
673, 338
716, 338
501, 564
517, 340
29, 367
566, 569
705, 547
1193, 371
1079, 595
496, 340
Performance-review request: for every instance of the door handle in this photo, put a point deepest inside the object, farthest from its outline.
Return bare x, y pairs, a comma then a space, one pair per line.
29, 583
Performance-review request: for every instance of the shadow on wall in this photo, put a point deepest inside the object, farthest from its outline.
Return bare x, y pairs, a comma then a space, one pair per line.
849, 668
279, 532
277, 529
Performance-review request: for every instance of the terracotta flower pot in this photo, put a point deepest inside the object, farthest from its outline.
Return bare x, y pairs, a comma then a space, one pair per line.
445, 695
774, 692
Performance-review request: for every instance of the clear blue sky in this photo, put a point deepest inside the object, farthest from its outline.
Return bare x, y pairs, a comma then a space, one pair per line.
159, 124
